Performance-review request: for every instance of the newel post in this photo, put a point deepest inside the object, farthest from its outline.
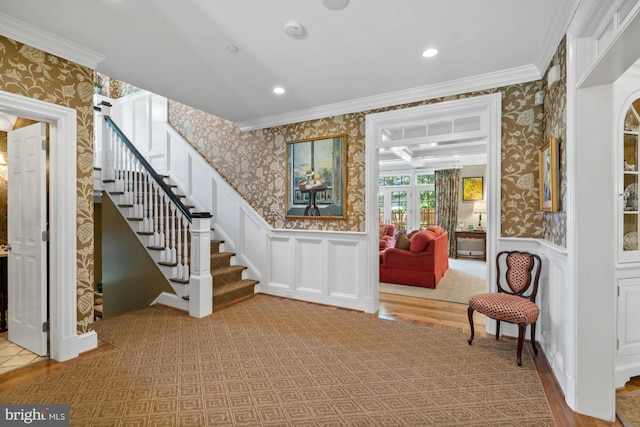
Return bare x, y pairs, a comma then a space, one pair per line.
103, 149
200, 281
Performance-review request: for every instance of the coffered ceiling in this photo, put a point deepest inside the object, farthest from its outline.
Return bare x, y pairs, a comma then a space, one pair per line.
367, 55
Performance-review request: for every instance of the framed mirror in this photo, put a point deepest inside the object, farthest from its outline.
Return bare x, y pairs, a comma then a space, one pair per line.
316, 177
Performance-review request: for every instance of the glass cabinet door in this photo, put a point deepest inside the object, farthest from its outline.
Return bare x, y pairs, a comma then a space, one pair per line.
630, 173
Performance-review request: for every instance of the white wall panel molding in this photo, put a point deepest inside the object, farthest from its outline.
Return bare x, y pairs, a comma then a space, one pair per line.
556, 323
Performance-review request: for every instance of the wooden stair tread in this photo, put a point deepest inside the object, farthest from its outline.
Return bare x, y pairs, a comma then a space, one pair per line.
181, 281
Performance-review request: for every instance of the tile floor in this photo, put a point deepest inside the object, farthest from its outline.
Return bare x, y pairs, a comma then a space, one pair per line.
13, 356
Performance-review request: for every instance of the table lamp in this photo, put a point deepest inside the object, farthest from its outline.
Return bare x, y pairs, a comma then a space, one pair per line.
480, 208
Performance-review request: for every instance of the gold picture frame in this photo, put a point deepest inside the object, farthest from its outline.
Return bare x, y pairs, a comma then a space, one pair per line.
548, 179
316, 178
472, 189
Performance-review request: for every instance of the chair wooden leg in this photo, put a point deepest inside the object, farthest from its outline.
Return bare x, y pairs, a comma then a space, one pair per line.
497, 330
470, 315
533, 338
521, 331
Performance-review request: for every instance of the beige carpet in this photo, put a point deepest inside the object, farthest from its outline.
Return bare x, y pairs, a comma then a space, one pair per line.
628, 408
276, 362
462, 279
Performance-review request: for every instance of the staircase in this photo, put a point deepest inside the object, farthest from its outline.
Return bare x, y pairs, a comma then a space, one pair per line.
202, 276
228, 285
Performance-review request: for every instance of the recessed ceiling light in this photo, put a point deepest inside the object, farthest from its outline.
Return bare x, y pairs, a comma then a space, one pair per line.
278, 90
233, 48
335, 4
430, 53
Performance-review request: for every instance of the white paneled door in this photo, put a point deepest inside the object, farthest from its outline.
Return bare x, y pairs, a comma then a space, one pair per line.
27, 217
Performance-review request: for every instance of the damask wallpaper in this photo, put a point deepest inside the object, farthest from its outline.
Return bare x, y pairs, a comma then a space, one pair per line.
32, 73
555, 113
254, 162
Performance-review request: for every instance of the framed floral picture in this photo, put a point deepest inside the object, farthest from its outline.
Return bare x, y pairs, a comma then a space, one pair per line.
548, 169
472, 189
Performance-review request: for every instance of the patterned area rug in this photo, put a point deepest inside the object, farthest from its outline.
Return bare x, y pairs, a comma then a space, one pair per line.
462, 279
628, 408
277, 362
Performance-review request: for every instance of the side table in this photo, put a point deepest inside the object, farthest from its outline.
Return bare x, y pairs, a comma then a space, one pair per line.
477, 234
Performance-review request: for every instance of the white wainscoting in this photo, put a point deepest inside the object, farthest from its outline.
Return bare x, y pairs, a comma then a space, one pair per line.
555, 325
323, 267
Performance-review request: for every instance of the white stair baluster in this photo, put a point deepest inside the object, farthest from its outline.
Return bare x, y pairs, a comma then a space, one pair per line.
167, 233
161, 202
185, 263
140, 207
144, 225
134, 187
119, 167
154, 213
127, 179
179, 248
173, 234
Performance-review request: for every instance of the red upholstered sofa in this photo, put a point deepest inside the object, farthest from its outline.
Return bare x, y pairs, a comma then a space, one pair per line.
423, 264
387, 237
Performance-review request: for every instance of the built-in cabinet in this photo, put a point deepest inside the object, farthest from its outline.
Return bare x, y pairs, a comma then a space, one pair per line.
628, 270
628, 249
628, 317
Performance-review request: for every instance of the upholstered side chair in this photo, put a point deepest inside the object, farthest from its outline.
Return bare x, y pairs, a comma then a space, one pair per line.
514, 302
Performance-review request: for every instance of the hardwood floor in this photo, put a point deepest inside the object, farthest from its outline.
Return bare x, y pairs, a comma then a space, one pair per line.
450, 315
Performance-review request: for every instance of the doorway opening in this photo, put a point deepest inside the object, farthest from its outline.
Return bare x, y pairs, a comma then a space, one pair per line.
24, 234
65, 343
407, 146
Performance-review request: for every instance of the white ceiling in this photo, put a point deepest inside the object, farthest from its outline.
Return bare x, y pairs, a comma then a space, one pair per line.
366, 55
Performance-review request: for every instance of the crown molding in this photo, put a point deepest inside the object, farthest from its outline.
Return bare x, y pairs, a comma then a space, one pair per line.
556, 32
452, 87
33, 36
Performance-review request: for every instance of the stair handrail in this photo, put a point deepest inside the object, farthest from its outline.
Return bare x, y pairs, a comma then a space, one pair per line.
175, 199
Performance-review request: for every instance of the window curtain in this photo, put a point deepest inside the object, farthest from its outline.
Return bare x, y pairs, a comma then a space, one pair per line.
447, 190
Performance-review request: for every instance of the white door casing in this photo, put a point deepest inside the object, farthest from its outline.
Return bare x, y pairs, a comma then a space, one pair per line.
64, 341
27, 220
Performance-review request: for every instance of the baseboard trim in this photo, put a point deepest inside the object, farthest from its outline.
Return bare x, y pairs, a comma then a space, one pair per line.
87, 341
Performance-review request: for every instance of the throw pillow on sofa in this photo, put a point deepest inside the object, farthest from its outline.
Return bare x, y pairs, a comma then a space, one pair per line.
413, 233
436, 229
403, 242
421, 240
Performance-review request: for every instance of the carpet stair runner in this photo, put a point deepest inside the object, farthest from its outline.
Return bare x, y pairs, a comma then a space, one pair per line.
228, 285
